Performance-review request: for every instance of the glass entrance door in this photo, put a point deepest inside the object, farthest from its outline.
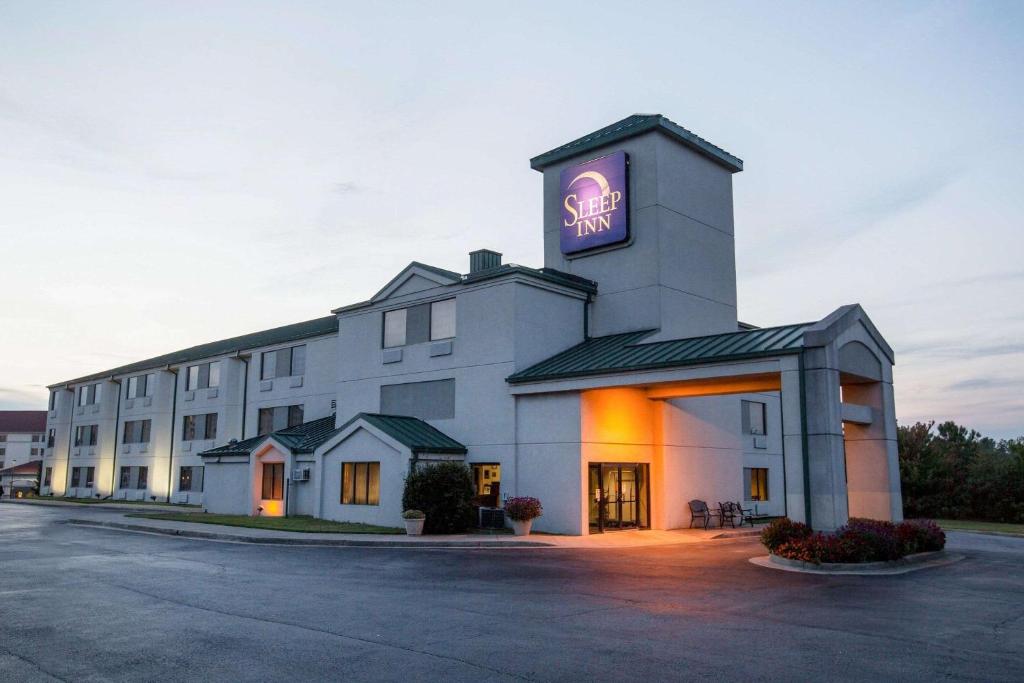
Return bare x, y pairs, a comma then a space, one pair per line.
618, 496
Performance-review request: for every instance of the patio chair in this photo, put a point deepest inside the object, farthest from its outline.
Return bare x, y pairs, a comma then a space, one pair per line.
728, 514
699, 511
746, 514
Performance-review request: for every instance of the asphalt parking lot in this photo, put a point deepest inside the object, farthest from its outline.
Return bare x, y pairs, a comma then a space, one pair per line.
95, 604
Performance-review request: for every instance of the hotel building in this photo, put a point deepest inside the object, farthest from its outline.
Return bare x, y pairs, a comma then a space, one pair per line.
615, 382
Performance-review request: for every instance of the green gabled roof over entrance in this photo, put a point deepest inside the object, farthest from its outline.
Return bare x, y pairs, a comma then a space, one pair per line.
303, 438
631, 126
412, 432
627, 352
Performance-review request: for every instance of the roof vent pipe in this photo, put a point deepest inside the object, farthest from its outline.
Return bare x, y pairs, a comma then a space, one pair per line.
483, 259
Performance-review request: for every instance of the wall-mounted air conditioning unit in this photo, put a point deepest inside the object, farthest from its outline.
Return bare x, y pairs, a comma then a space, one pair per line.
300, 474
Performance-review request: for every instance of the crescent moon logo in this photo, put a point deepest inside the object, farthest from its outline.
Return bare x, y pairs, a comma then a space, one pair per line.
601, 181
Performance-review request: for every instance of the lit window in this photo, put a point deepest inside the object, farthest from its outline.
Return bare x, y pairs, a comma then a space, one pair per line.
757, 482
273, 481
360, 483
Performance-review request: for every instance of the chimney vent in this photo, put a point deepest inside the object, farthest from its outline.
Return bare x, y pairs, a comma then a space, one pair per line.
483, 259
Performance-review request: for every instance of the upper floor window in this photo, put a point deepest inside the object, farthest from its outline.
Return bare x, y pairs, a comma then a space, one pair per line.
754, 421
416, 324
36, 438
136, 431
140, 386
53, 399
89, 394
51, 436
288, 362
86, 435
199, 427
281, 417
203, 376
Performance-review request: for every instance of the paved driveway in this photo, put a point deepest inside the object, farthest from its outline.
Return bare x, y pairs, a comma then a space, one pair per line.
92, 604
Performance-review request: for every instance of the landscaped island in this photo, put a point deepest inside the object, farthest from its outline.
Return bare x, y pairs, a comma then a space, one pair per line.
860, 541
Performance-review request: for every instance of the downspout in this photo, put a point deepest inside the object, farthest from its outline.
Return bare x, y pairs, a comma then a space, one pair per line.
71, 434
782, 429
170, 456
117, 419
804, 443
586, 317
245, 397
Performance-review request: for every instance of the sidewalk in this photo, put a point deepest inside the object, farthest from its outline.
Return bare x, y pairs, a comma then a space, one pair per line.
618, 539
119, 507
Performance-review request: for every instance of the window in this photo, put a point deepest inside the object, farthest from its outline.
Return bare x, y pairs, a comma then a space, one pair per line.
199, 427
140, 386
35, 451
85, 435
203, 376
136, 431
36, 438
47, 476
190, 479
360, 483
51, 436
394, 328
281, 417
416, 324
757, 482
289, 362
3, 451
273, 481
487, 482
76, 475
53, 400
89, 475
433, 400
754, 418
442, 319
89, 394
134, 477
3, 437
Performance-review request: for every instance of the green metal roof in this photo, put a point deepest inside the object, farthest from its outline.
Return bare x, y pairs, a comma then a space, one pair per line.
303, 438
277, 335
631, 126
413, 432
627, 352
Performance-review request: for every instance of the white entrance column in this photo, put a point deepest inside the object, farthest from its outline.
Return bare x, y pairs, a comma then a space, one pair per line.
823, 425
792, 439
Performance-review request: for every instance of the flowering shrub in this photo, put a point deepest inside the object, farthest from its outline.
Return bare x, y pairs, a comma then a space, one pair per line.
781, 531
869, 540
861, 540
523, 508
920, 536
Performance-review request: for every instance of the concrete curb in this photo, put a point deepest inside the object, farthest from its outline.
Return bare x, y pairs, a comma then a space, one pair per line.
118, 507
328, 542
908, 564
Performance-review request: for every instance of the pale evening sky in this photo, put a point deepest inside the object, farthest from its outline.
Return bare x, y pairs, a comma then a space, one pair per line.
175, 173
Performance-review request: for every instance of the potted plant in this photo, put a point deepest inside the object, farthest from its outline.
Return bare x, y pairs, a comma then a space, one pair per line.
414, 520
522, 510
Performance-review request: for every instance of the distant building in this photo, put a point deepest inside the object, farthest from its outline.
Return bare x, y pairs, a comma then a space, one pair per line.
615, 383
22, 436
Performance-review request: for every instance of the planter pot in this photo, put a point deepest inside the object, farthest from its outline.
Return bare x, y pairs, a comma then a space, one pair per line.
414, 527
522, 527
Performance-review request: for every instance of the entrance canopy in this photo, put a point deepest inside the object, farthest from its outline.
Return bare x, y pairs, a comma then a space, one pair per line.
834, 378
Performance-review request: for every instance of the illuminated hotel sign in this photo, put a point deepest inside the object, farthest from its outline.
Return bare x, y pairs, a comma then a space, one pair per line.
595, 206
